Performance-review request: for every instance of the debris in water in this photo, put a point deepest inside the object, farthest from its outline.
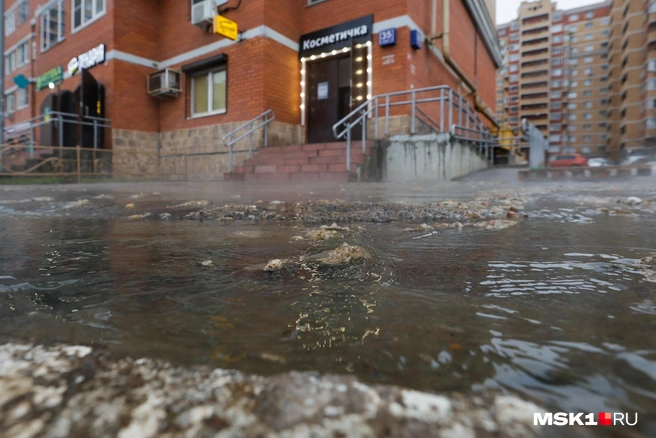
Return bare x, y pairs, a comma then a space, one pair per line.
165, 216
275, 202
195, 215
420, 229
335, 227
456, 225
321, 234
191, 204
344, 254
512, 214
43, 199
273, 265
297, 239
137, 196
495, 224
633, 200
649, 260
77, 203
139, 216
226, 218
103, 196
129, 205
269, 357
207, 263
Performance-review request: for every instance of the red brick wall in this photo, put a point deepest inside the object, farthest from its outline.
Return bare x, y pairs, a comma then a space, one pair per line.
137, 28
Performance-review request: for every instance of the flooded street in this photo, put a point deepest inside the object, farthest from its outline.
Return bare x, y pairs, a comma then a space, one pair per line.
556, 309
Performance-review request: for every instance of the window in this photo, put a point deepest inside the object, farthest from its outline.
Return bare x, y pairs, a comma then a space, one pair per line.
573, 61
10, 22
556, 61
86, 12
10, 62
9, 102
603, 113
588, 48
513, 68
650, 122
554, 138
573, 17
571, 106
23, 9
556, 84
589, 25
589, 36
514, 57
557, 39
208, 93
587, 93
603, 90
588, 71
556, 105
514, 25
557, 16
587, 104
514, 37
554, 116
587, 138
587, 82
557, 50
502, 32
557, 28
572, 95
573, 28
555, 94
587, 127
52, 25
557, 72
589, 15
605, 32
555, 127
605, 21
514, 78
22, 98
572, 117
574, 39
575, 50
22, 54
574, 72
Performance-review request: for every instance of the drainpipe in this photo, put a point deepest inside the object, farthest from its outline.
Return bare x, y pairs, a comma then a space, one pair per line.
479, 105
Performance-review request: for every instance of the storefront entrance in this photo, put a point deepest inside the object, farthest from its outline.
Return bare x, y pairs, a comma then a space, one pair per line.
329, 95
336, 72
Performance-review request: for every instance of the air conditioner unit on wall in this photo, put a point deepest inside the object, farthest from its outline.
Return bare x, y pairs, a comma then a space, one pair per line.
203, 11
164, 83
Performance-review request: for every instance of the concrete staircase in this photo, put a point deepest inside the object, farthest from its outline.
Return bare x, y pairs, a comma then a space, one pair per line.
309, 163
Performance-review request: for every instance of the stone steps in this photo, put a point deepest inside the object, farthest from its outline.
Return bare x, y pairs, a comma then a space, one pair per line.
308, 163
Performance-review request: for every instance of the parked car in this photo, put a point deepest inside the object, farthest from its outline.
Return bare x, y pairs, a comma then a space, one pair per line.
635, 159
599, 162
568, 160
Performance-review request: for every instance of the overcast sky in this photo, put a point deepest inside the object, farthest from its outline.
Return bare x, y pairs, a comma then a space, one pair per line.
507, 9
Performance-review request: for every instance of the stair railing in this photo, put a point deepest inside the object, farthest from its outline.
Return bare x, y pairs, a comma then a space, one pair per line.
444, 104
248, 128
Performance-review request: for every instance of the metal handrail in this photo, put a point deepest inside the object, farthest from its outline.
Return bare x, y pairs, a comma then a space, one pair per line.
29, 125
229, 140
458, 109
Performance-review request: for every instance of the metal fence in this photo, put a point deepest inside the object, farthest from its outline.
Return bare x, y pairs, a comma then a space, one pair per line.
76, 162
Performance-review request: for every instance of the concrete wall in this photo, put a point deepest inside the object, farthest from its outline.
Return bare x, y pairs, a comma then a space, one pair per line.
428, 158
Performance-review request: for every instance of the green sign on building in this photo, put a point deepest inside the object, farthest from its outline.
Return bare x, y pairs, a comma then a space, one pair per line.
53, 75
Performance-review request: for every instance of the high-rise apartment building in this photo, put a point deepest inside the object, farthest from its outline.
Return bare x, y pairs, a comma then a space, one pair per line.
632, 77
555, 74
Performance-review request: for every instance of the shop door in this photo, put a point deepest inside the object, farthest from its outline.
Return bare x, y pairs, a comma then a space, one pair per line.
323, 99
90, 96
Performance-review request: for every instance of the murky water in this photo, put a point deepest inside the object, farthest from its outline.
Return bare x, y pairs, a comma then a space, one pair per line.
548, 309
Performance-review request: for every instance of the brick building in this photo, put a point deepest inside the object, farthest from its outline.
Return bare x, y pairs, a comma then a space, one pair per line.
309, 61
556, 74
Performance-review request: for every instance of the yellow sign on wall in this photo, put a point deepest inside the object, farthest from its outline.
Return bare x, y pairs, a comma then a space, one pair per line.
225, 27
